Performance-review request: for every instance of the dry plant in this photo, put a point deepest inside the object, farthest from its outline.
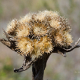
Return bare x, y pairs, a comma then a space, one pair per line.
36, 36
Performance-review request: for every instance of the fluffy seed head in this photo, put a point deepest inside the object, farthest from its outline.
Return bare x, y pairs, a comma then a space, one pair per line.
39, 33
45, 45
25, 45
40, 29
68, 39
39, 16
41, 46
55, 24
23, 30
11, 28
59, 39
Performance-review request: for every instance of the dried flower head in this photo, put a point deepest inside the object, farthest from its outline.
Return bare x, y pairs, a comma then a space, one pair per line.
25, 45
11, 28
40, 29
40, 33
23, 30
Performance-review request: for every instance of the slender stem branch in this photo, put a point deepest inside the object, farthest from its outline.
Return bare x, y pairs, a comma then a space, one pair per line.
73, 47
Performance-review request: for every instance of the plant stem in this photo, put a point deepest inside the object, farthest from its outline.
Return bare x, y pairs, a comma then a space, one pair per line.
38, 67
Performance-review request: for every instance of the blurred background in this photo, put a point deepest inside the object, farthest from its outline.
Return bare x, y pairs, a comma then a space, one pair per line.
58, 67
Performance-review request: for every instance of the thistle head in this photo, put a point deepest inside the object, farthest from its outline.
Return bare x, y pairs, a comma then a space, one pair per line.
23, 30
39, 33
25, 45
11, 28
